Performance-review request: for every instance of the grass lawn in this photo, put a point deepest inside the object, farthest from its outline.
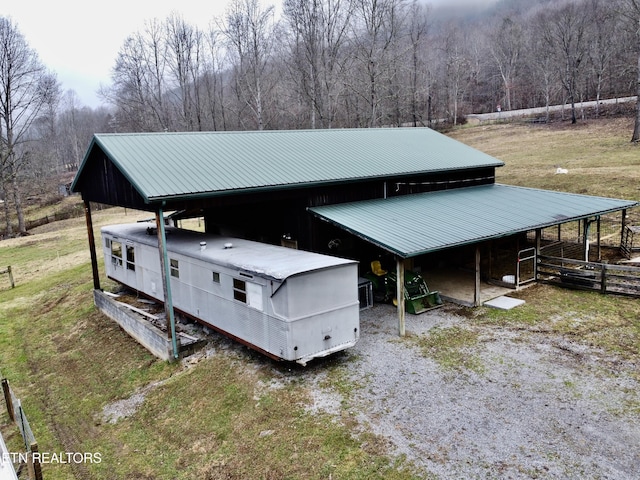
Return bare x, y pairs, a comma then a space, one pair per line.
598, 155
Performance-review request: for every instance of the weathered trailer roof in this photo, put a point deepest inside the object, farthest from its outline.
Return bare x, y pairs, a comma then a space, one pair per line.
189, 165
412, 225
260, 259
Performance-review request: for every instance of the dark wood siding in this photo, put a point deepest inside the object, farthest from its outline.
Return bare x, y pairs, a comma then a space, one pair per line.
102, 182
267, 216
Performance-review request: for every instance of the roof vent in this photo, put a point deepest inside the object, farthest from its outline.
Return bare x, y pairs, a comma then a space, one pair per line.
228, 245
203, 245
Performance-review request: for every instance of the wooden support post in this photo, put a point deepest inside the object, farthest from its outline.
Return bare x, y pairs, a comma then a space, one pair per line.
33, 465
599, 240
476, 291
92, 245
604, 268
8, 400
10, 273
491, 253
400, 295
538, 245
622, 225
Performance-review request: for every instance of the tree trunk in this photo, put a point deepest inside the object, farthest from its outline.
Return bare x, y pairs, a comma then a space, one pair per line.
17, 200
7, 214
636, 129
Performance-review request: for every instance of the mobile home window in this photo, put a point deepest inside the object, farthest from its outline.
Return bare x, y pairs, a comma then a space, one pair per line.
175, 272
131, 258
240, 290
116, 253
215, 277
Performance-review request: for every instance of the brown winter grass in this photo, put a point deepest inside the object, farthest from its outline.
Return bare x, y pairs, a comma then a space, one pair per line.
599, 156
57, 246
216, 419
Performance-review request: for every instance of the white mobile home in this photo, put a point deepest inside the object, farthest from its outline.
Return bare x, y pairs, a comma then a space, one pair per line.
288, 304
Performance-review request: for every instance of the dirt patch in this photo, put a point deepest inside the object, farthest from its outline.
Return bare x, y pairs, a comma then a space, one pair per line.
126, 407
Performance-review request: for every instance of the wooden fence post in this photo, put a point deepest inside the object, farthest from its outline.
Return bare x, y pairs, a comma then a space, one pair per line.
7, 399
13, 285
33, 466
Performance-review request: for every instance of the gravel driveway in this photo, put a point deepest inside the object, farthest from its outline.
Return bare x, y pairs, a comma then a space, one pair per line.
541, 407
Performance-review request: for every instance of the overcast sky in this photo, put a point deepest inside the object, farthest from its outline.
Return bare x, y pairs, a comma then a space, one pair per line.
79, 40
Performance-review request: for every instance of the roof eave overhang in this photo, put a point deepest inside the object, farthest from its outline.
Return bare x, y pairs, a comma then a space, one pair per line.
471, 241
193, 196
96, 143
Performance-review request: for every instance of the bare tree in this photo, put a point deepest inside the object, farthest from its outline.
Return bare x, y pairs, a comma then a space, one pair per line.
319, 32
367, 63
44, 152
375, 33
139, 81
250, 32
601, 40
541, 63
183, 57
304, 19
566, 29
457, 68
212, 80
631, 10
418, 29
25, 88
506, 49
132, 87
155, 49
76, 124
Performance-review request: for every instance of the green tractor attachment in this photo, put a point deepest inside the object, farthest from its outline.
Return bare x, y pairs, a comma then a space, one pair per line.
417, 297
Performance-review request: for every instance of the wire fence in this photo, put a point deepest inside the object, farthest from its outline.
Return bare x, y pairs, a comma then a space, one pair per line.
19, 417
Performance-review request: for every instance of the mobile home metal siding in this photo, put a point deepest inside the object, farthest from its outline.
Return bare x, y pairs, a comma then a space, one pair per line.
288, 303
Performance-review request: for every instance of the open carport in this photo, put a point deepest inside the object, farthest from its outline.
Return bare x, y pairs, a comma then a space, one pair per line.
426, 229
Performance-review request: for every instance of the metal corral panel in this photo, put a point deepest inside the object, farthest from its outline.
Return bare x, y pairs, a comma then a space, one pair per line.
193, 164
412, 225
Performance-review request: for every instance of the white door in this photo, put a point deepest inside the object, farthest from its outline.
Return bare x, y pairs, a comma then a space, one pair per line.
254, 296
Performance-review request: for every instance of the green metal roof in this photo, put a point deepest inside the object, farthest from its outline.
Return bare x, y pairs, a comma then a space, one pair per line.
161, 166
412, 225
